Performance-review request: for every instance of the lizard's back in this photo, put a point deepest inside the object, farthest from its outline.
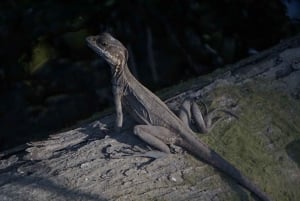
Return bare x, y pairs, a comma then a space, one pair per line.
147, 108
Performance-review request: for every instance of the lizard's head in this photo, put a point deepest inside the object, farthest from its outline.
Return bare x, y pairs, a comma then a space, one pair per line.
112, 50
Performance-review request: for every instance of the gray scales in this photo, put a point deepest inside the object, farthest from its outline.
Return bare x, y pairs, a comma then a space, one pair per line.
159, 126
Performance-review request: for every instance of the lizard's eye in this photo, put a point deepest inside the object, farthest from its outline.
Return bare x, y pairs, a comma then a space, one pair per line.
102, 43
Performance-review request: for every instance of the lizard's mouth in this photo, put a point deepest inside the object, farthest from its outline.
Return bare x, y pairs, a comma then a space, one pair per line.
96, 43
101, 47
93, 43
108, 48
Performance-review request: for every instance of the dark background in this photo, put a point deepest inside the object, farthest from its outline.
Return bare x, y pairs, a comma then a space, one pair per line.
49, 79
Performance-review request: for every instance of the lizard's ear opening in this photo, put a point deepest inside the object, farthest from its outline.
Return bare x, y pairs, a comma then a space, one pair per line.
126, 55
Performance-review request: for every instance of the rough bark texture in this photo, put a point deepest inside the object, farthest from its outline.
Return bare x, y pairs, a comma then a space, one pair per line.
89, 162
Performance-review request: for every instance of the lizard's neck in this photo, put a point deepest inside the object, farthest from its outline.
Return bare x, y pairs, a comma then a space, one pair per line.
127, 75
122, 76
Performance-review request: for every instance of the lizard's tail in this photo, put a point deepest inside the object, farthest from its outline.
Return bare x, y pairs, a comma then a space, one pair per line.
202, 151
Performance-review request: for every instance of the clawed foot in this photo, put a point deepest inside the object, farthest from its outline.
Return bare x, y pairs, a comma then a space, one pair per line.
205, 122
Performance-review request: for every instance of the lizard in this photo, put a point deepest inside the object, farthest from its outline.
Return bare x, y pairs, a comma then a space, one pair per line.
158, 125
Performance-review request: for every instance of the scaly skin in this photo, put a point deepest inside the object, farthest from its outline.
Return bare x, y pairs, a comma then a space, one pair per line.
154, 115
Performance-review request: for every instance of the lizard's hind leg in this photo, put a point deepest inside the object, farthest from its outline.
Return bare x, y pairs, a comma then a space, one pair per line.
205, 122
156, 136
189, 111
185, 113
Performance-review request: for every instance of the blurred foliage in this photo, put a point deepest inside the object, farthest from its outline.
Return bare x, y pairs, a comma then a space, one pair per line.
43, 50
229, 27
41, 53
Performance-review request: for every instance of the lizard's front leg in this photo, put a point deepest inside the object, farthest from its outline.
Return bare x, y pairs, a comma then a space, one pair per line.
117, 92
